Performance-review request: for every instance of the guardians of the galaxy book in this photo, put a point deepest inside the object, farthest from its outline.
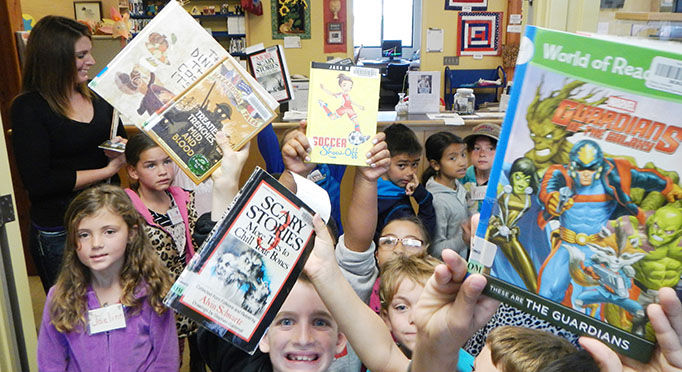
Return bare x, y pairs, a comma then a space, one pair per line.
343, 103
582, 220
221, 99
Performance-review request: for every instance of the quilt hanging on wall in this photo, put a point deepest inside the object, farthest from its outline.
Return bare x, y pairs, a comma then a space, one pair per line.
479, 33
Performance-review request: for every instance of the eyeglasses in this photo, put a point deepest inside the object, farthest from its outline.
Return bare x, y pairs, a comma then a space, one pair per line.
391, 241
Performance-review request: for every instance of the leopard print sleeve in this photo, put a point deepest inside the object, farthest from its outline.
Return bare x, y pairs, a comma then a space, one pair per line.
192, 218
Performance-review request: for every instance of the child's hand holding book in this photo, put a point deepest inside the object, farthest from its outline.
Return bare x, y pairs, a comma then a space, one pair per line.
378, 159
451, 308
226, 177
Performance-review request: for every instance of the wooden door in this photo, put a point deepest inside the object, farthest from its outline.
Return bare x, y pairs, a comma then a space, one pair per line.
11, 21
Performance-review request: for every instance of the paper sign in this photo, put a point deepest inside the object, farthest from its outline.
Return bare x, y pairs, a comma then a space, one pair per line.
434, 40
106, 319
516, 29
254, 48
292, 42
478, 192
515, 19
314, 196
448, 118
466, 8
478, 56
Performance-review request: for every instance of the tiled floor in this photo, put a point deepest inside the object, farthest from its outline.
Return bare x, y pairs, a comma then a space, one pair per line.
38, 300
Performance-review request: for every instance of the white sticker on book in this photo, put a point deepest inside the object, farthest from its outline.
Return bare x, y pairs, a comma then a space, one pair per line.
364, 72
665, 74
106, 319
483, 251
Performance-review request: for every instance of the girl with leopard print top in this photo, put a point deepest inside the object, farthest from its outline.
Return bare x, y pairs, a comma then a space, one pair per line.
169, 212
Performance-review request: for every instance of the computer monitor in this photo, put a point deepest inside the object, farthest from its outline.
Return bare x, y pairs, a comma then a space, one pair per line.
391, 48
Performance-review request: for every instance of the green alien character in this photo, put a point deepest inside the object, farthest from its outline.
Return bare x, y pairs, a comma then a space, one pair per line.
661, 267
514, 201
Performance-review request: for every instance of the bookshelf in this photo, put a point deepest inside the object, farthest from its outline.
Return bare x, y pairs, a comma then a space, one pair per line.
225, 20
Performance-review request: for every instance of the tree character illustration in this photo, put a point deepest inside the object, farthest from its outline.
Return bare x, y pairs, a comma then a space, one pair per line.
347, 108
551, 145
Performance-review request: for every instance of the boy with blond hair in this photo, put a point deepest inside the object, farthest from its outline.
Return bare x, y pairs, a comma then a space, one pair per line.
402, 281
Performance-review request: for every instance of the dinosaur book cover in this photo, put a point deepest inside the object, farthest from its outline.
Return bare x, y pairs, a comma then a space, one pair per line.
582, 219
160, 62
343, 103
221, 99
245, 269
269, 67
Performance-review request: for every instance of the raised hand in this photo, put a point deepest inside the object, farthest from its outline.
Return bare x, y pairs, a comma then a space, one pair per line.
378, 159
295, 152
322, 259
226, 177
448, 312
412, 185
666, 319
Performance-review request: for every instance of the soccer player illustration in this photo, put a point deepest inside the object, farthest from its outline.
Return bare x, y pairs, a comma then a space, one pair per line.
584, 195
347, 108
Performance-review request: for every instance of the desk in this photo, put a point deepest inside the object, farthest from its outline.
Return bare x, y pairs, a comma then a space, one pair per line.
381, 64
419, 123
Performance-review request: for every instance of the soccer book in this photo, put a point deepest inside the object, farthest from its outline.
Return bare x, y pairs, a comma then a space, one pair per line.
582, 221
221, 99
269, 67
242, 274
343, 102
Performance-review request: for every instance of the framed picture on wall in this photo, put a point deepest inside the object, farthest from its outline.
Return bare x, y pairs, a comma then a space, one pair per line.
335, 33
88, 11
290, 19
466, 5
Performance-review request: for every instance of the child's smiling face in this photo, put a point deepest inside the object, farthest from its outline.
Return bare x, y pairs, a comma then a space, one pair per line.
303, 335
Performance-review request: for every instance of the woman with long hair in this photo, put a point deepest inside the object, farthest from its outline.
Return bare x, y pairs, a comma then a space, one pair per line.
58, 124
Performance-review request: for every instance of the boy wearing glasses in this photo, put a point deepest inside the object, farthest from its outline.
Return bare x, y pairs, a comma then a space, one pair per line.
400, 183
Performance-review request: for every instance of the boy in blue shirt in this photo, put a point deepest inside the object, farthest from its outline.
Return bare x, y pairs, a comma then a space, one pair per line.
395, 188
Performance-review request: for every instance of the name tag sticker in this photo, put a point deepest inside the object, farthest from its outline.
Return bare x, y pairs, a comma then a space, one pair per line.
174, 215
478, 192
106, 319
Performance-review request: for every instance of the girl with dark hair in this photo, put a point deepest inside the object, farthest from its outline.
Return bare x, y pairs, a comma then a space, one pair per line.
58, 124
447, 156
169, 213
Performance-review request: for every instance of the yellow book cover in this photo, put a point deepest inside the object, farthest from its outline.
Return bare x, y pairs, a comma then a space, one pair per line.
343, 103
221, 99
